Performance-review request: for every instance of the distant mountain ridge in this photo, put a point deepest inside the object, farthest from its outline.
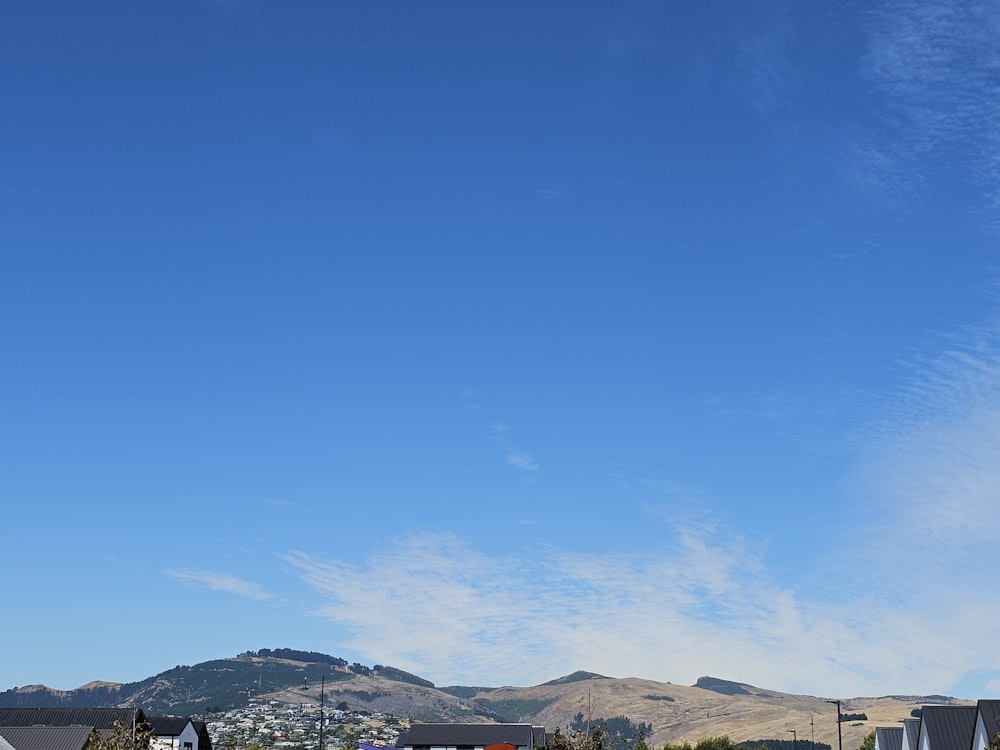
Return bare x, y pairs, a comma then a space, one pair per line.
710, 707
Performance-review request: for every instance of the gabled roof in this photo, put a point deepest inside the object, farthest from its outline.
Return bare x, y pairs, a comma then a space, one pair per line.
889, 738
949, 727
990, 711
476, 735
167, 726
102, 718
47, 738
911, 733
204, 739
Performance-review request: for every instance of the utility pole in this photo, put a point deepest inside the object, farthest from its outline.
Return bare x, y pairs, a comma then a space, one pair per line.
795, 739
840, 739
812, 734
322, 686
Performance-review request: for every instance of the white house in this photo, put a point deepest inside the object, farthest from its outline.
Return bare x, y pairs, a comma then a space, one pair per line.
888, 738
174, 733
911, 734
946, 727
987, 724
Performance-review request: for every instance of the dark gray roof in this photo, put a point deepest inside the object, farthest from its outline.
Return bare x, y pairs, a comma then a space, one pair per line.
204, 739
949, 727
449, 735
889, 738
46, 738
166, 726
990, 711
101, 718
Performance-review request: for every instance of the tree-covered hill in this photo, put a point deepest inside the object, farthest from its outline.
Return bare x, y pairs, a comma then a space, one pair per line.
219, 684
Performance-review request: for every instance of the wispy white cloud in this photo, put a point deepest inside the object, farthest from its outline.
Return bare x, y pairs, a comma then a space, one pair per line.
928, 489
515, 456
897, 605
218, 581
923, 91
470, 399
553, 191
770, 76
933, 463
521, 459
932, 67
703, 605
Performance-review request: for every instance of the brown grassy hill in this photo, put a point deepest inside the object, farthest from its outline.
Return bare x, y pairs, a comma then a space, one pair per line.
677, 713
680, 713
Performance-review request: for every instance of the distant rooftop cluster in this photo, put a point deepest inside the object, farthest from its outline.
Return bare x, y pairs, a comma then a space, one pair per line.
944, 728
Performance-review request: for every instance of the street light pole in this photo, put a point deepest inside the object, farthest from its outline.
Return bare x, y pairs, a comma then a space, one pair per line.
840, 739
795, 739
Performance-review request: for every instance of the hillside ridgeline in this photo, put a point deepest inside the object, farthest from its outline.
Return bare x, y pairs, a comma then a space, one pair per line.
674, 713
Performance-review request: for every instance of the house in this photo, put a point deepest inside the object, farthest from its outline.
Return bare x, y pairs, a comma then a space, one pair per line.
471, 736
911, 734
173, 733
946, 727
168, 733
45, 738
101, 719
888, 738
987, 724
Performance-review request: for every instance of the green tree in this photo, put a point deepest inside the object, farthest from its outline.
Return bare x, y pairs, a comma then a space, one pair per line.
559, 741
640, 742
598, 740
722, 742
121, 737
868, 743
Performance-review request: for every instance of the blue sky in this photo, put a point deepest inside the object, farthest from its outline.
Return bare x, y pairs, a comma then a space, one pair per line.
494, 341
